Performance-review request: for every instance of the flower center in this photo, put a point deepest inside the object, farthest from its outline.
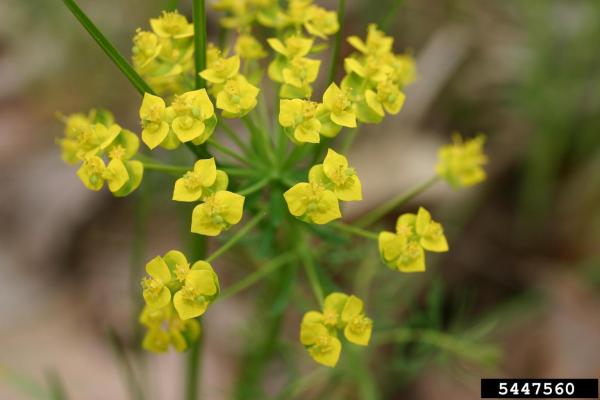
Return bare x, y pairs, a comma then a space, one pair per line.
152, 286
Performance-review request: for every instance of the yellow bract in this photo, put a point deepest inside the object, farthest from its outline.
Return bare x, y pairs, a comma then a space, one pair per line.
218, 213
460, 163
299, 118
190, 118
222, 69
318, 330
311, 202
405, 249
201, 182
336, 111
165, 329
237, 97
247, 47
191, 288
337, 176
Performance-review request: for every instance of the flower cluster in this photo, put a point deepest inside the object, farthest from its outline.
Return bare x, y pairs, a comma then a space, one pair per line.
164, 55
460, 163
317, 201
190, 118
415, 233
220, 209
319, 330
104, 151
229, 79
173, 286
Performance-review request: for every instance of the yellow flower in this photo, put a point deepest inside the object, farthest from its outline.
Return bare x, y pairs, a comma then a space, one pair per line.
299, 117
93, 173
218, 212
172, 25
388, 97
165, 329
146, 47
377, 43
292, 46
357, 327
336, 110
298, 74
460, 163
318, 330
405, 249
247, 47
200, 288
222, 69
156, 292
202, 181
153, 114
322, 344
320, 22
368, 67
237, 98
335, 175
195, 117
312, 203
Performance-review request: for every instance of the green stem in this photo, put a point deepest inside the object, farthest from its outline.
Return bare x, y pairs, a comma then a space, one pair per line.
237, 236
390, 14
135, 390
234, 136
240, 171
260, 138
199, 17
348, 140
192, 370
355, 230
254, 187
172, 169
197, 251
110, 50
311, 272
257, 275
228, 152
375, 214
338, 41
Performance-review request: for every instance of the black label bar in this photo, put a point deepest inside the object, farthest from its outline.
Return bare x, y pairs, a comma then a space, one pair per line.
539, 388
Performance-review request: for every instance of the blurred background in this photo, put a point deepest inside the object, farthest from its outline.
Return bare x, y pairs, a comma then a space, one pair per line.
517, 295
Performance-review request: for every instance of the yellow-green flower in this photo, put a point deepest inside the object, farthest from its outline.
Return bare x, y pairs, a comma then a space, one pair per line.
200, 288
292, 46
172, 25
357, 327
377, 43
460, 163
318, 330
248, 48
146, 48
194, 117
93, 173
299, 118
218, 212
222, 69
320, 22
312, 203
322, 344
165, 329
153, 115
335, 175
336, 111
372, 68
156, 292
298, 74
387, 96
237, 97
203, 181
405, 249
